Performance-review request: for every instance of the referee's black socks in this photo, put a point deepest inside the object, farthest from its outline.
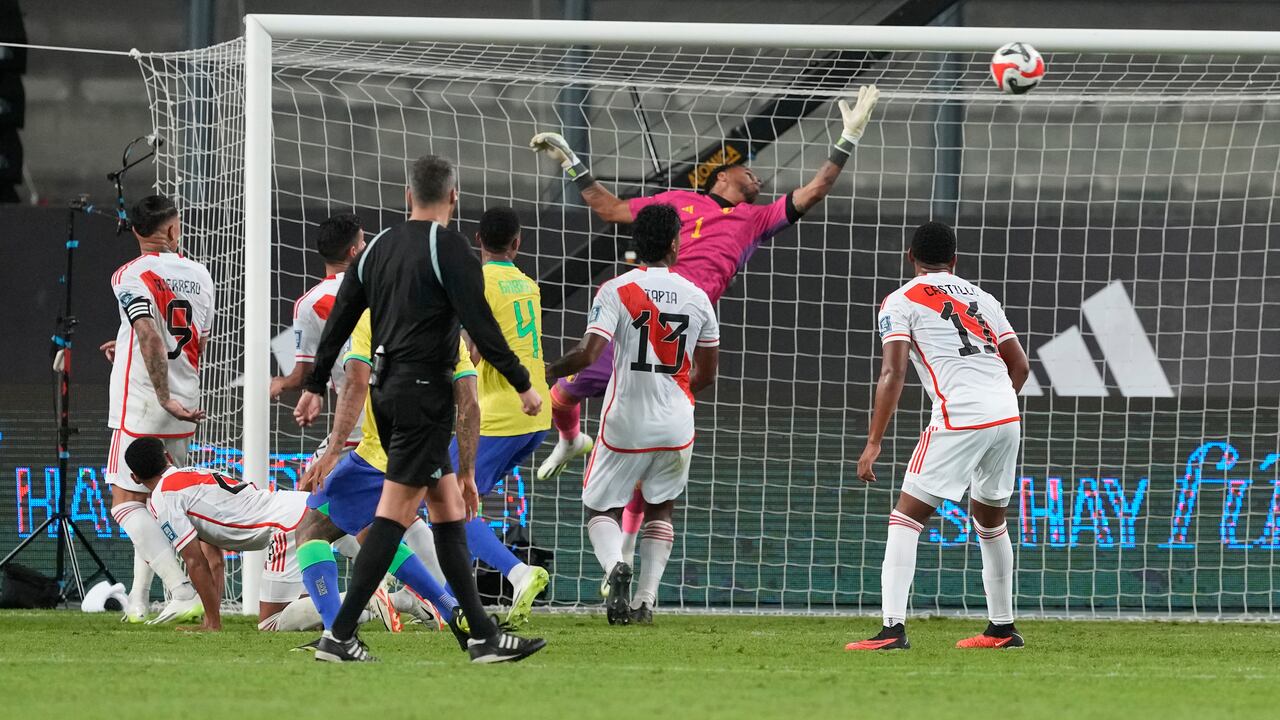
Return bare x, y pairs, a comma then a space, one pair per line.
455, 561
376, 553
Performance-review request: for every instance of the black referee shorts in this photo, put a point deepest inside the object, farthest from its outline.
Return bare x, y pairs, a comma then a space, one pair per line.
415, 413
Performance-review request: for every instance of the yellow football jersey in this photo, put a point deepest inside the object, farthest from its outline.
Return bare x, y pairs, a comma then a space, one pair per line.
361, 348
516, 302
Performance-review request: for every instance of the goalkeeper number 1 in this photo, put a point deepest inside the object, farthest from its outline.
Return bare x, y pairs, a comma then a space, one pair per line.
720, 230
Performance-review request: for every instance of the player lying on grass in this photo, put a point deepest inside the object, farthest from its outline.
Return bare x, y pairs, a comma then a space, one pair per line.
666, 342
203, 512
508, 437
345, 498
720, 230
972, 365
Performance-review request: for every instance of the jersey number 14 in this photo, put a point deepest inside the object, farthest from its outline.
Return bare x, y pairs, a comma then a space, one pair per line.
948, 312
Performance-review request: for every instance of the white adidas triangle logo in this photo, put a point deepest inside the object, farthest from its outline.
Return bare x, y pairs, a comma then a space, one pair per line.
1125, 347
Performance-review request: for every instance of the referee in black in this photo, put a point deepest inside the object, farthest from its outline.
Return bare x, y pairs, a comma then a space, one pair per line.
418, 279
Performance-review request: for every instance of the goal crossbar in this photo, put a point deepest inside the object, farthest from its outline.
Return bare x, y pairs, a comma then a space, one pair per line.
862, 37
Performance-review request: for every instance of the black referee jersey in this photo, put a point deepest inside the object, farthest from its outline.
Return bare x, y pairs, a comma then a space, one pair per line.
416, 297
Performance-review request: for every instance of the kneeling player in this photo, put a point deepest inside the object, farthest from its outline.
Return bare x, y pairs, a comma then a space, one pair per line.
964, 345
666, 348
203, 512
222, 512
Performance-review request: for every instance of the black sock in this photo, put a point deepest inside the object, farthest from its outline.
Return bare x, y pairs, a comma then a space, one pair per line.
999, 631
455, 561
376, 553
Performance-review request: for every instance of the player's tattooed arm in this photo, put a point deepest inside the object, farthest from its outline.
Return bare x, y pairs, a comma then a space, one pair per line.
805, 197
606, 205
854, 118
578, 358
345, 416
466, 397
156, 359
602, 202
893, 374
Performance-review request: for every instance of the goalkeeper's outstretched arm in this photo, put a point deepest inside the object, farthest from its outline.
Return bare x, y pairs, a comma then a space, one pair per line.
611, 208
606, 205
855, 117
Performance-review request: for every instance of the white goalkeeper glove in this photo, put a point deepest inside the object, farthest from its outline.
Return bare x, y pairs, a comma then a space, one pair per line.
556, 147
857, 116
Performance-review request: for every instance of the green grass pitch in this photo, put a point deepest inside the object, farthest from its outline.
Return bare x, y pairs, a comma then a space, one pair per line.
67, 664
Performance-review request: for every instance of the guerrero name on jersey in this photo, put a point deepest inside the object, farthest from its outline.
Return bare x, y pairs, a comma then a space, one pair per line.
178, 293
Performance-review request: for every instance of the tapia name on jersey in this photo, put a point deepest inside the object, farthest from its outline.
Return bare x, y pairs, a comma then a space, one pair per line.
655, 319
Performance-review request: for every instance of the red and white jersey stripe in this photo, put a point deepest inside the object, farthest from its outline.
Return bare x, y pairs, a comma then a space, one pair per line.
178, 294
954, 328
655, 319
224, 512
310, 313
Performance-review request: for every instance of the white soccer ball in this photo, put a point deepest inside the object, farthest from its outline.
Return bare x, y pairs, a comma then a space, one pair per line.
1017, 68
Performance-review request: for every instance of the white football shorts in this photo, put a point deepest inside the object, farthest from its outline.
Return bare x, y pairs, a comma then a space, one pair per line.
281, 576
946, 463
118, 469
611, 476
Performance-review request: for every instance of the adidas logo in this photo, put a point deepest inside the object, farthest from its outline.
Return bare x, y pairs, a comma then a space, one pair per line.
1125, 347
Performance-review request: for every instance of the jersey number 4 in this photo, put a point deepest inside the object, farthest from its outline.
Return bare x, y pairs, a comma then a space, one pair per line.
178, 326
948, 312
527, 326
675, 324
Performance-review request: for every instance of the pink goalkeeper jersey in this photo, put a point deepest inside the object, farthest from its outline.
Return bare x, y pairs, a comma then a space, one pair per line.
716, 242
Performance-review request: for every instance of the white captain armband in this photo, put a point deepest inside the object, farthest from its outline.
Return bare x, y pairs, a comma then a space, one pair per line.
135, 306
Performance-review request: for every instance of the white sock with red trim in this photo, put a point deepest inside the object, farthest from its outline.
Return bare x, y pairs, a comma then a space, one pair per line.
150, 543
655, 550
899, 567
606, 539
997, 571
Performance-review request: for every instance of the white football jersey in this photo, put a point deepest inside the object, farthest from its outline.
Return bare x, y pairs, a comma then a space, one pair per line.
223, 511
654, 318
310, 313
954, 328
178, 293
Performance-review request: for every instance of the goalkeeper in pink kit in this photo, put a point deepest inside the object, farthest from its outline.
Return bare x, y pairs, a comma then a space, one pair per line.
720, 230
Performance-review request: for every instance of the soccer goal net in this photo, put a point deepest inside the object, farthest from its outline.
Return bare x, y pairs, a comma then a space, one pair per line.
1122, 211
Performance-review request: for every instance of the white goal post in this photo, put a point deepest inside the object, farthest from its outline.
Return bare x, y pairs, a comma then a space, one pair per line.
1139, 144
